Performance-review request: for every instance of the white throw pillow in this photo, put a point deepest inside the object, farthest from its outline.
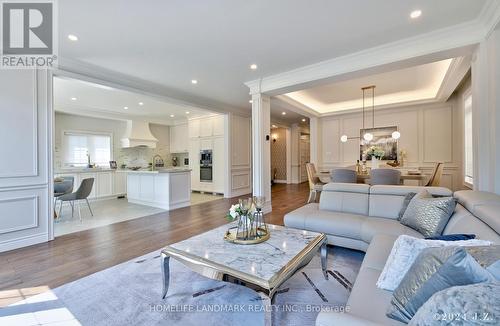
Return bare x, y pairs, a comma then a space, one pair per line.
405, 251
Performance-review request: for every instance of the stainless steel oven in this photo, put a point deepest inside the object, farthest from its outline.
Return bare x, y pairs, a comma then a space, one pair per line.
206, 165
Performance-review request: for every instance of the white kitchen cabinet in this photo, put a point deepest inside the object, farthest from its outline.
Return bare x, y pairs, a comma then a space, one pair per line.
194, 162
218, 125
219, 160
206, 143
120, 183
206, 127
179, 140
104, 184
194, 128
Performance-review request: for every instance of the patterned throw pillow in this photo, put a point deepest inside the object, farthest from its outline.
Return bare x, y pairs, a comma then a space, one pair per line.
435, 269
475, 304
428, 215
404, 252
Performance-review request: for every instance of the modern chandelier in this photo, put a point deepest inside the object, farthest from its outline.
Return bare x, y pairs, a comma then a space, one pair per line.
368, 136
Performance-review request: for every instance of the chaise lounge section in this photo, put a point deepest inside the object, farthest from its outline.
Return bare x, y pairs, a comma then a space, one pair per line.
364, 217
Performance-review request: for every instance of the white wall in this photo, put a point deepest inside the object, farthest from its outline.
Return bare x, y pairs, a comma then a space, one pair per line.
240, 182
25, 160
128, 156
429, 133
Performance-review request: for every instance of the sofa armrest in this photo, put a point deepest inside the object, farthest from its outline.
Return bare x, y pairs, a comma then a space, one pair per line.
344, 319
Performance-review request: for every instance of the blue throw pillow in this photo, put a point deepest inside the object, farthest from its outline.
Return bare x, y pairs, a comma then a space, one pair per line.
452, 237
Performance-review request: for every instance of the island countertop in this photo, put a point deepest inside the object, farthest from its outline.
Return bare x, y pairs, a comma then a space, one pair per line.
160, 170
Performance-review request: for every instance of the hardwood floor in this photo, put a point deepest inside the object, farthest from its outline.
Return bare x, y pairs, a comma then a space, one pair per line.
28, 271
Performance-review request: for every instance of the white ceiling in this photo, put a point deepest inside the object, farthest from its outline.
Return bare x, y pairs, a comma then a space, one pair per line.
103, 101
408, 85
170, 42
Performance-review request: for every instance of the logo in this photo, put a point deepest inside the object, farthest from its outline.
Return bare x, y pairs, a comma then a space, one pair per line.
28, 35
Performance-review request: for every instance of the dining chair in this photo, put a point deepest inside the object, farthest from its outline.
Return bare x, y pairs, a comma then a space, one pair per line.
385, 177
82, 193
344, 176
436, 174
315, 185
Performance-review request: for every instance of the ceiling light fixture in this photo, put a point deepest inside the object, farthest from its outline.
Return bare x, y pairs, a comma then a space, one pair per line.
367, 135
194, 81
125, 107
187, 112
274, 126
303, 119
283, 113
73, 98
415, 14
251, 101
72, 37
172, 115
253, 66
141, 104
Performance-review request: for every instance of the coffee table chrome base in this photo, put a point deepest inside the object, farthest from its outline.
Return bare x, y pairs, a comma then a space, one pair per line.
324, 259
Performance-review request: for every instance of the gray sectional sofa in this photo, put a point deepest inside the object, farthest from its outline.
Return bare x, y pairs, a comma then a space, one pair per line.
364, 217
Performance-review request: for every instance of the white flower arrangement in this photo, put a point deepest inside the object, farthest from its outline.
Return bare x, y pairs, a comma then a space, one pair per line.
236, 212
375, 151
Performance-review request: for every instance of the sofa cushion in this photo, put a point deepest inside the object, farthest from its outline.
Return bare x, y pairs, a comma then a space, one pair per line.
378, 251
345, 198
484, 205
435, 269
377, 225
428, 215
462, 221
387, 201
368, 301
335, 223
477, 303
296, 219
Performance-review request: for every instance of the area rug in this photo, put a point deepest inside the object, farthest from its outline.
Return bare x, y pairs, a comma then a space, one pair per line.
130, 294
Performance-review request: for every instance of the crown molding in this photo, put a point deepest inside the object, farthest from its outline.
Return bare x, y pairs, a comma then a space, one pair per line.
454, 75
71, 68
452, 41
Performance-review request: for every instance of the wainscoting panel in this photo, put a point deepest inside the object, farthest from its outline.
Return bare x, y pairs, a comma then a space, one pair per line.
23, 217
331, 136
241, 167
25, 163
438, 135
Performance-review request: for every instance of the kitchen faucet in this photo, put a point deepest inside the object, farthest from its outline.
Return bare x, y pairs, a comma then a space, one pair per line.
153, 161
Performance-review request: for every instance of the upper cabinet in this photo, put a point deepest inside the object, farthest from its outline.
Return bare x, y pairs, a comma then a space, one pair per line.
179, 139
206, 127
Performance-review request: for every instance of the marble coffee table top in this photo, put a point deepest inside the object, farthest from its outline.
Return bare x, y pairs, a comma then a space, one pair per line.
264, 260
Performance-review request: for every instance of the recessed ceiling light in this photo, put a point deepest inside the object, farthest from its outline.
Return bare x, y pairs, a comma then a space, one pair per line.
187, 112
253, 66
303, 120
274, 126
141, 104
73, 98
283, 113
194, 81
415, 14
250, 101
125, 107
72, 37
172, 115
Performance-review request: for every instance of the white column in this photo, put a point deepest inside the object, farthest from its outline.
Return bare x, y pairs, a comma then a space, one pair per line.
486, 114
314, 141
295, 152
261, 148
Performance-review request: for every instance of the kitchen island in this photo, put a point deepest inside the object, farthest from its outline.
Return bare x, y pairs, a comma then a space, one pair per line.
166, 188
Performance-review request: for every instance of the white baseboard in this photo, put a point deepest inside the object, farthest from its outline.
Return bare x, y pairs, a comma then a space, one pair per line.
23, 242
279, 181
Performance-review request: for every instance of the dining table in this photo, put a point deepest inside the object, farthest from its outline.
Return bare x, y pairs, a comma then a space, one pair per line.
325, 177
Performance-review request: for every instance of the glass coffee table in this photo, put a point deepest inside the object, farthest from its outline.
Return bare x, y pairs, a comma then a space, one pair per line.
262, 267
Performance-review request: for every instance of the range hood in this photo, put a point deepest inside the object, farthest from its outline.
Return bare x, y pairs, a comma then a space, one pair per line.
138, 135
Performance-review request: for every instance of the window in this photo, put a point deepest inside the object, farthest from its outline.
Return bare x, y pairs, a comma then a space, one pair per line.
468, 152
78, 146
